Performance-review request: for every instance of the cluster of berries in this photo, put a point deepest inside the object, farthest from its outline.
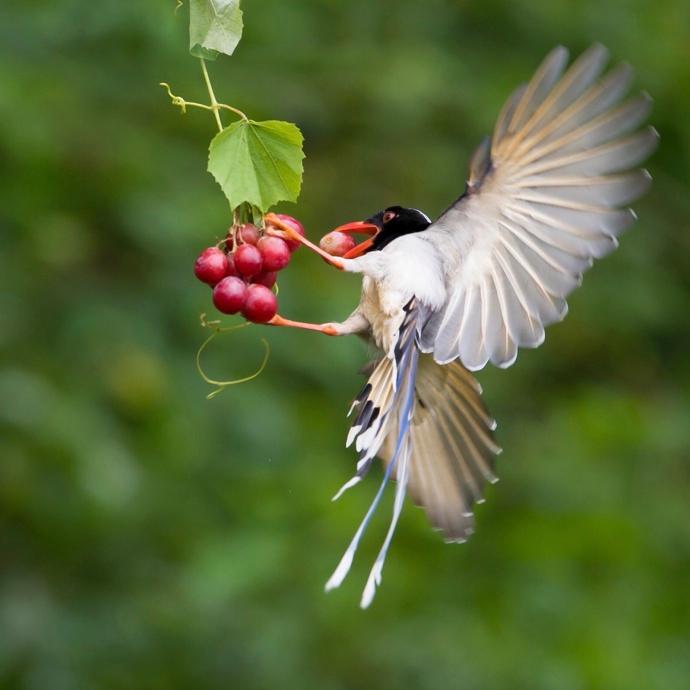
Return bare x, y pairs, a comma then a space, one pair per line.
244, 270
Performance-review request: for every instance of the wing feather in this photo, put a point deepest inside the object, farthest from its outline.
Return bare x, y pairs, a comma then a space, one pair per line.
612, 123
552, 199
595, 100
587, 68
506, 114
538, 88
601, 160
608, 191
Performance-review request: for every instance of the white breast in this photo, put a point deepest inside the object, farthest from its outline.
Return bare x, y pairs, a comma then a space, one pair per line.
414, 268
408, 267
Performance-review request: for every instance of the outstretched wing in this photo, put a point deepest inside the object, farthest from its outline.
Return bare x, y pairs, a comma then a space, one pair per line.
543, 199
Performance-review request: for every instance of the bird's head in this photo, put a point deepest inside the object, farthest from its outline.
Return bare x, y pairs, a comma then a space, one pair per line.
384, 227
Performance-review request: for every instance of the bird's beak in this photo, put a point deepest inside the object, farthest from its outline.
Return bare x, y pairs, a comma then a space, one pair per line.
359, 227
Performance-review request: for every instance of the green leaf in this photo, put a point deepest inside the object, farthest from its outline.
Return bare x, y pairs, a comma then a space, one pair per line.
259, 163
205, 53
215, 26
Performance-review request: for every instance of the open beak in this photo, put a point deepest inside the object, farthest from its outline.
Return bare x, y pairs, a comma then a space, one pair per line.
359, 227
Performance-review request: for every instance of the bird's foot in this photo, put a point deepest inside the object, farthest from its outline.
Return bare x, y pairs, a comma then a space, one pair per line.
277, 228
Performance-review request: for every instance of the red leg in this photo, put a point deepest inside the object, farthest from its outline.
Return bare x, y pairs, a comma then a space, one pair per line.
286, 232
325, 328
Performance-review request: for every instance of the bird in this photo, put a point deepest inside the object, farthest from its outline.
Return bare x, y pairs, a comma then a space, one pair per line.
546, 194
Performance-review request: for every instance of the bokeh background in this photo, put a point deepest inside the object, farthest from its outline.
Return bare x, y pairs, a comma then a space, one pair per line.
150, 538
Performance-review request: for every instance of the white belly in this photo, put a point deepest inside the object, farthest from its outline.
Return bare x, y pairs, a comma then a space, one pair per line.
408, 267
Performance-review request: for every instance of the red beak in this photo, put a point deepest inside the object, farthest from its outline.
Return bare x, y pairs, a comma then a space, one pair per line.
364, 228
358, 226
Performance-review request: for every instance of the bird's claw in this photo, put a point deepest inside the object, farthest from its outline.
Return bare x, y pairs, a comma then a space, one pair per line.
277, 228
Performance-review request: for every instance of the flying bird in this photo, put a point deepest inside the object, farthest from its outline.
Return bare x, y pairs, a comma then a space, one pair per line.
545, 195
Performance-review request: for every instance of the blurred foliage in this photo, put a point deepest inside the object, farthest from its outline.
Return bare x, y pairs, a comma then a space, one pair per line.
150, 538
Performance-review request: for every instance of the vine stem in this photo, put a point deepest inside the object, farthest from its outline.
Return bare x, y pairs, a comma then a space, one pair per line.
212, 96
215, 106
222, 385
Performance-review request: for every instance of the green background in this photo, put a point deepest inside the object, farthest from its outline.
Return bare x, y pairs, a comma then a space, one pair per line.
150, 538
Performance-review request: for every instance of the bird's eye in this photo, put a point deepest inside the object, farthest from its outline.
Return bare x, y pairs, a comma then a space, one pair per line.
388, 216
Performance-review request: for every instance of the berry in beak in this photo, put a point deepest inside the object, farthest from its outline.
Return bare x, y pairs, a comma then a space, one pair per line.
359, 227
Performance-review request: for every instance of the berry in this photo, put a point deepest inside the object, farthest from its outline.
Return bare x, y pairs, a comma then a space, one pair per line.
275, 253
248, 261
232, 269
337, 243
230, 295
261, 304
211, 265
248, 233
266, 278
296, 226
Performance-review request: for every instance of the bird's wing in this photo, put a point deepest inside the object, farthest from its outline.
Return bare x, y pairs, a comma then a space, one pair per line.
543, 199
453, 452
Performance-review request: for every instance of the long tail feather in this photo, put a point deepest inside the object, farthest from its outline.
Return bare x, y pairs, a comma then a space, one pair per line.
403, 452
343, 568
388, 397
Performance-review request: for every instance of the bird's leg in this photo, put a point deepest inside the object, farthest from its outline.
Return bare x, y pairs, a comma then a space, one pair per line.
355, 323
325, 328
285, 232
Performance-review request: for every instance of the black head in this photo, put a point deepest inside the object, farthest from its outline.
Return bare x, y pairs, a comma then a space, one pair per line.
394, 222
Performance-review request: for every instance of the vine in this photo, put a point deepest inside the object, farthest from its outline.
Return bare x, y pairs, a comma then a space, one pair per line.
256, 164
217, 330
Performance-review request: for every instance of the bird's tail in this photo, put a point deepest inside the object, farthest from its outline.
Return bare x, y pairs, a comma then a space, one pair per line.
435, 437
386, 400
453, 447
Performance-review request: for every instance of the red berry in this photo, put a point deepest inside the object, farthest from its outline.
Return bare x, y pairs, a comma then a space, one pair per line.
337, 243
275, 253
248, 261
296, 226
248, 233
211, 265
261, 305
266, 278
232, 269
230, 295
